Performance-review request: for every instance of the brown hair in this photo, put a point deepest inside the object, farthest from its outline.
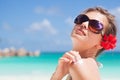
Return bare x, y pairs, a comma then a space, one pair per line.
111, 27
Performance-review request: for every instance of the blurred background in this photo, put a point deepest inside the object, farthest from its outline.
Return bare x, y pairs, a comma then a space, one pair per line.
35, 33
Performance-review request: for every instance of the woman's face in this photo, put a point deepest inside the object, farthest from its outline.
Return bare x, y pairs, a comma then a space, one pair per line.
82, 37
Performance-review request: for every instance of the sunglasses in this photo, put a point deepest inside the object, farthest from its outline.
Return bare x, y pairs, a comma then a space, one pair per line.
93, 25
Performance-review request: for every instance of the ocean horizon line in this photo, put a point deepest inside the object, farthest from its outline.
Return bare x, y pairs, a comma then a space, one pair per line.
54, 52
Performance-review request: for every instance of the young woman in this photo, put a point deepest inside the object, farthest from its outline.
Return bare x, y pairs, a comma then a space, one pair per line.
94, 31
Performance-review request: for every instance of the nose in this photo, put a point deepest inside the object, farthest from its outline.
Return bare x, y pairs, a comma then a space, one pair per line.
84, 25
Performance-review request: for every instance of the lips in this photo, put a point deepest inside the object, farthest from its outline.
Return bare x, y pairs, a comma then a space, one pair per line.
80, 32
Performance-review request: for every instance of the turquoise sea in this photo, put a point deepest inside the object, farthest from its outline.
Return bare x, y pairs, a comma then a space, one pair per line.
42, 67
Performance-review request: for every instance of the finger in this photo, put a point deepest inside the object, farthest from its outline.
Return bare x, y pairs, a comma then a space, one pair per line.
69, 56
76, 55
64, 59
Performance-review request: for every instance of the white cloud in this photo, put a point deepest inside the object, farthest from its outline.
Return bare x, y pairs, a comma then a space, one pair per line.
48, 11
69, 21
44, 26
6, 26
116, 10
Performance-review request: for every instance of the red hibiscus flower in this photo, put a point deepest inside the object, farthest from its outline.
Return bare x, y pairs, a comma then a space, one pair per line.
108, 42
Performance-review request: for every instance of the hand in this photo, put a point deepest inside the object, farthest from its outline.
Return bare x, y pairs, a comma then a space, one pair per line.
64, 63
67, 60
71, 57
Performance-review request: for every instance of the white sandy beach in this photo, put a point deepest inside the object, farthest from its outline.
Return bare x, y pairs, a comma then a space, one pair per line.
25, 77
36, 77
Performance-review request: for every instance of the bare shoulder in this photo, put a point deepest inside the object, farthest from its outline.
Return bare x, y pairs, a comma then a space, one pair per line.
90, 62
88, 70
92, 65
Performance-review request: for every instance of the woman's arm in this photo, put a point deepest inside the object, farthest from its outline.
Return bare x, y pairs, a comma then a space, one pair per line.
62, 68
56, 76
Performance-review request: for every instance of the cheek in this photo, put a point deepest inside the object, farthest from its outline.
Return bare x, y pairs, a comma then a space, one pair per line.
95, 39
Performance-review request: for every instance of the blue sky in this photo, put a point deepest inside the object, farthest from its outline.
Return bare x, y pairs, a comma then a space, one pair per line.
44, 24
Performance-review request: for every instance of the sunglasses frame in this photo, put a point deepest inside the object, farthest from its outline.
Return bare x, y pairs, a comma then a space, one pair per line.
94, 26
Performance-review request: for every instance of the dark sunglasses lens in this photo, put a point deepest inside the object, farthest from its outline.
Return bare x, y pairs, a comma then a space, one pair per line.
95, 26
80, 19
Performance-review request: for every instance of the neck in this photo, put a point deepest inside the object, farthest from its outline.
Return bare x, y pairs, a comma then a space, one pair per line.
86, 53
